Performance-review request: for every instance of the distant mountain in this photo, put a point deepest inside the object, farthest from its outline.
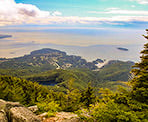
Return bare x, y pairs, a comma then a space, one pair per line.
47, 59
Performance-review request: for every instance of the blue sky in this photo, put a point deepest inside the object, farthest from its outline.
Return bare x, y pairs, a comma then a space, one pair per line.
85, 13
83, 8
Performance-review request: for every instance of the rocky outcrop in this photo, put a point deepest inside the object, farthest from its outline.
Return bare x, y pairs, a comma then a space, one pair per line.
15, 112
63, 117
22, 114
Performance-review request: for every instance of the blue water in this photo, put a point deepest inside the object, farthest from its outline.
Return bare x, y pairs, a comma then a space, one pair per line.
47, 83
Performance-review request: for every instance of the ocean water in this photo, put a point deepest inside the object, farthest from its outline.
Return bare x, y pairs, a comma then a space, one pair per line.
89, 43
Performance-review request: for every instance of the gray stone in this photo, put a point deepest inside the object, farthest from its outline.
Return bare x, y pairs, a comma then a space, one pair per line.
15, 112
63, 117
22, 114
8, 105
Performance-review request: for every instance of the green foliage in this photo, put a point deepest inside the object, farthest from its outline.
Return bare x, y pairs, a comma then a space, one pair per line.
113, 86
63, 77
50, 114
16, 89
113, 112
29, 93
72, 102
115, 71
88, 96
140, 80
50, 107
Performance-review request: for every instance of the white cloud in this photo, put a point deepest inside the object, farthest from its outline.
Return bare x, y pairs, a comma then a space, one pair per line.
141, 1
109, 9
133, 6
56, 13
129, 18
12, 13
118, 11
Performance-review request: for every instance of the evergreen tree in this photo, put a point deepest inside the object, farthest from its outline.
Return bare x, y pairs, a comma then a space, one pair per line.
88, 96
140, 80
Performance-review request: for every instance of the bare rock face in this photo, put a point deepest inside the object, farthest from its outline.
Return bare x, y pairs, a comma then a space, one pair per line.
63, 117
3, 117
15, 112
8, 105
22, 114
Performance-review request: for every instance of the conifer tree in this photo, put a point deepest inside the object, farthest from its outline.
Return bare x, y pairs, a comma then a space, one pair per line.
140, 80
88, 96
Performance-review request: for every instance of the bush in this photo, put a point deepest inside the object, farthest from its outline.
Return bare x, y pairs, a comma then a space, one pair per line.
50, 107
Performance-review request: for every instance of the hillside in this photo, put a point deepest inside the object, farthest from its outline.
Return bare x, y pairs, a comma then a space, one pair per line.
107, 77
56, 68
115, 70
74, 78
16, 89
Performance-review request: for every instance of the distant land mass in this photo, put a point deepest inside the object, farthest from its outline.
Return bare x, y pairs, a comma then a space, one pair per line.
123, 49
47, 59
50, 59
89, 53
5, 36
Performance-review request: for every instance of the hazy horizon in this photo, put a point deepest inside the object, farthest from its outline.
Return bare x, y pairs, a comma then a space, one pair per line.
89, 43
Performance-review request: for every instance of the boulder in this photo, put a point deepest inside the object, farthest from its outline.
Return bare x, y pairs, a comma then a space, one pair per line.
63, 117
22, 114
15, 112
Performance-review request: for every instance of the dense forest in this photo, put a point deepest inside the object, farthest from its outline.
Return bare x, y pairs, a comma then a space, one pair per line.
114, 72
79, 91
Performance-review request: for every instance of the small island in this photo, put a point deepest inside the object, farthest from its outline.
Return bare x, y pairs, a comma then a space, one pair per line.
123, 49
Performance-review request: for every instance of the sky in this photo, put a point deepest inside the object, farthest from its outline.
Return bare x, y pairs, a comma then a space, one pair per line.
96, 13
34, 24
